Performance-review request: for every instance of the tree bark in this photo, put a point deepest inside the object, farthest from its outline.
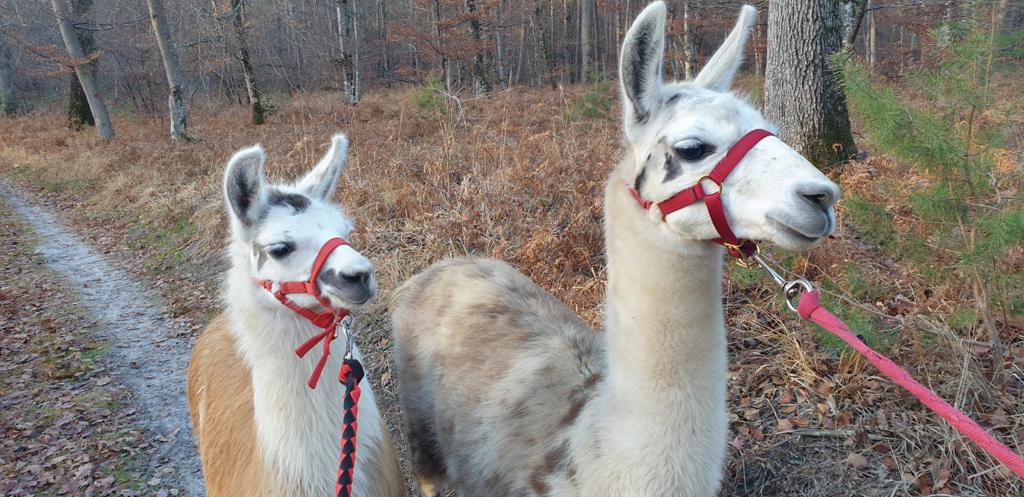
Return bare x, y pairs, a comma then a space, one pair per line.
348, 39
802, 93
481, 81
500, 45
689, 48
586, 39
872, 39
446, 69
255, 99
175, 80
853, 17
84, 70
79, 114
542, 46
382, 32
8, 100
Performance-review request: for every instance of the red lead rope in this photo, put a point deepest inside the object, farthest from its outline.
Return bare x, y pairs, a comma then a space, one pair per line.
351, 370
810, 308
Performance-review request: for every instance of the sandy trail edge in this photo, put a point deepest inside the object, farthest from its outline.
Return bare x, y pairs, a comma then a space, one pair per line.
134, 320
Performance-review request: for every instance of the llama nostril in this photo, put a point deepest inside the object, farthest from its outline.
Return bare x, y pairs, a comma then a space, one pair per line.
818, 199
359, 278
818, 195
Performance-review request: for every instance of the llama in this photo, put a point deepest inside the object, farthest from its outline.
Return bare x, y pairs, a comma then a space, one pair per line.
507, 392
261, 431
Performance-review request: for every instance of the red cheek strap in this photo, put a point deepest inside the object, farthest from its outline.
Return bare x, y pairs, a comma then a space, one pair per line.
713, 201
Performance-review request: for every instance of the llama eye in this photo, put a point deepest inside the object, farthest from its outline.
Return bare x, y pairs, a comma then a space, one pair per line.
692, 150
280, 250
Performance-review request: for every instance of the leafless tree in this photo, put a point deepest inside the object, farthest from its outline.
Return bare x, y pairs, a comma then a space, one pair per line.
8, 102
348, 39
84, 70
175, 80
255, 97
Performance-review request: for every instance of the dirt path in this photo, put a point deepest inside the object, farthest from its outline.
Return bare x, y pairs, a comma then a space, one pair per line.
148, 350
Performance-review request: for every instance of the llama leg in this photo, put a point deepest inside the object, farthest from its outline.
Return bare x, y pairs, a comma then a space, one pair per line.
427, 464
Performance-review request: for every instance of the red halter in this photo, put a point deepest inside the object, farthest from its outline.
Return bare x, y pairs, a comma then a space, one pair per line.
734, 246
327, 319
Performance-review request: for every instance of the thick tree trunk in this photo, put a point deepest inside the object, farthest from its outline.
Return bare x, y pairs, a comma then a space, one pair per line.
802, 94
542, 46
8, 100
175, 80
348, 39
586, 39
481, 81
255, 99
84, 70
79, 114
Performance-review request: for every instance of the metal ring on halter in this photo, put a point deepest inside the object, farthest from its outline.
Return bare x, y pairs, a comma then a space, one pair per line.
346, 327
793, 289
700, 181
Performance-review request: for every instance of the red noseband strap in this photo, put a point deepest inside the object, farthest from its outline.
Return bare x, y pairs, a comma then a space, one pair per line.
713, 200
326, 319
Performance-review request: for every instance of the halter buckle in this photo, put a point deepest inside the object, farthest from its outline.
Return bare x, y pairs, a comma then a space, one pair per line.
744, 262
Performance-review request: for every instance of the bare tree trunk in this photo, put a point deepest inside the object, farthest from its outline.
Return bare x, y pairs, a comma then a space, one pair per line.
500, 45
481, 82
175, 80
84, 70
348, 39
872, 40
8, 102
586, 39
255, 100
802, 93
853, 16
543, 46
689, 49
382, 31
446, 69
79, 114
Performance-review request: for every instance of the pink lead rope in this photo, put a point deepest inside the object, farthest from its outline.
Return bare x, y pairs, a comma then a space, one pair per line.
809, 308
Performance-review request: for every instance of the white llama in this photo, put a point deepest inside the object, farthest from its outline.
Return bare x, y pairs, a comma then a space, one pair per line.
506, 392
261, 431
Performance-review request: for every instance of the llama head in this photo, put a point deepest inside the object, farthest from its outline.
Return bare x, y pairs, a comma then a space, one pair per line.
679, 131
278, 230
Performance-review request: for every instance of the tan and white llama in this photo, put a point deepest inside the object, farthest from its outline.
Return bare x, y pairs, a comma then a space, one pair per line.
261, 431
506, 392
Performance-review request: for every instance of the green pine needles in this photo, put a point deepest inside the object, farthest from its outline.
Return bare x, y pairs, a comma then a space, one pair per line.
963, 215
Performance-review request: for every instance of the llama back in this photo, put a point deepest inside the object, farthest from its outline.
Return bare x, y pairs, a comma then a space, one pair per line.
475, 341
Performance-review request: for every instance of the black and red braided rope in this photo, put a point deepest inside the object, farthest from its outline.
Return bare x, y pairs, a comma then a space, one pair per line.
351, 374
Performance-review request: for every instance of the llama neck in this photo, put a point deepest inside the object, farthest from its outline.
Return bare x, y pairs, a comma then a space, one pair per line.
297, 427
664, 324
664, 394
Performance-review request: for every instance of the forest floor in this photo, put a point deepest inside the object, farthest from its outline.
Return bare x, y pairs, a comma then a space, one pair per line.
93, 391
520, 177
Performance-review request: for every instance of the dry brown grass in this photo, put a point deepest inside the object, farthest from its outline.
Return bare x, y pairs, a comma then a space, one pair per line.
511, 179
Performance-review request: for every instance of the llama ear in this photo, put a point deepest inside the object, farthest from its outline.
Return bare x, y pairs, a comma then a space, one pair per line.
243, 185
640, 64
323, 179
718, 73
